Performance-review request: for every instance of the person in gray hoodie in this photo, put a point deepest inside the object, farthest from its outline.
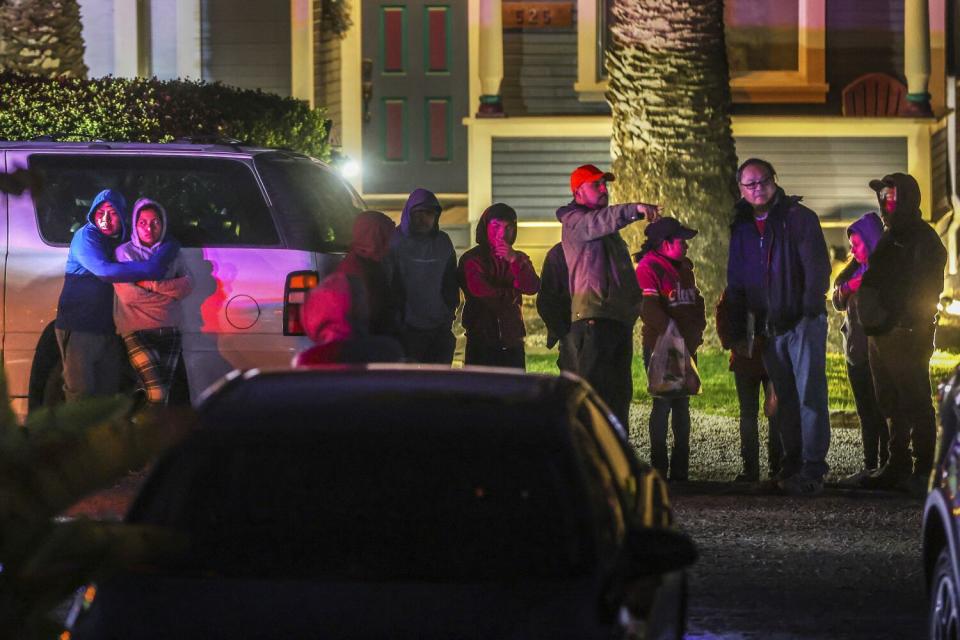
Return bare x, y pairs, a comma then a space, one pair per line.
864, 234
147, 313
422, 272
605, 297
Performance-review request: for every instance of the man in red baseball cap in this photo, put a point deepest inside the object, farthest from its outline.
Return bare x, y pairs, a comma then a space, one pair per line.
604, 295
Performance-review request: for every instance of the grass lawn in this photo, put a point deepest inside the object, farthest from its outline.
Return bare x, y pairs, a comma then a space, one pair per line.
718, 395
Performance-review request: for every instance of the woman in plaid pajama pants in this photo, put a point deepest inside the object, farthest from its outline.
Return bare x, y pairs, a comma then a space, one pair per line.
147, 313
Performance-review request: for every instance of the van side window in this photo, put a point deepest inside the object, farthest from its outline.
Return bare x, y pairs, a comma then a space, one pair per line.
318, 208
210, 202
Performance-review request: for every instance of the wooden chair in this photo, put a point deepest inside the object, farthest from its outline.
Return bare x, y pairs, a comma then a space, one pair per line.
875, 95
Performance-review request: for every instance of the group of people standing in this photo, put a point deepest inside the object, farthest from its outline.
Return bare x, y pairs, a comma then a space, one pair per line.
395, 295
125, 282
772, 315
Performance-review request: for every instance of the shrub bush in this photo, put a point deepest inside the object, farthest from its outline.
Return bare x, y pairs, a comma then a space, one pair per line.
151, 110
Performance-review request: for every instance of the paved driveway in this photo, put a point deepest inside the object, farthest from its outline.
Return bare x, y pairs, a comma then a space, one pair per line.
843, 565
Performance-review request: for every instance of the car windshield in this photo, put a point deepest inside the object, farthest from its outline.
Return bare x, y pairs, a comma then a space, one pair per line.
317, 207
401, 491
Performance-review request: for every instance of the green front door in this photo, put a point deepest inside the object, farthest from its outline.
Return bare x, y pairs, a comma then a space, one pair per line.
415, 96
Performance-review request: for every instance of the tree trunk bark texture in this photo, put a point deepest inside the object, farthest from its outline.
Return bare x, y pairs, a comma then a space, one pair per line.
669, 92
42, 37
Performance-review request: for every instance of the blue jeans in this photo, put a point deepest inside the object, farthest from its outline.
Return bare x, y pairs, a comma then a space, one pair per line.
796, 362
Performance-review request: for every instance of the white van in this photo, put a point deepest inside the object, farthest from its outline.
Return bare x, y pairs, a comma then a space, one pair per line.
257, 226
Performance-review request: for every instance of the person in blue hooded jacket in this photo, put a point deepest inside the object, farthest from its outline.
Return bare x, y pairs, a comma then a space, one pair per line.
86, 334
422, 271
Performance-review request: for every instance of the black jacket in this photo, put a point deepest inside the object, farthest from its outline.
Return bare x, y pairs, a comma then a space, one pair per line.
902, 286
782, 276
553, 301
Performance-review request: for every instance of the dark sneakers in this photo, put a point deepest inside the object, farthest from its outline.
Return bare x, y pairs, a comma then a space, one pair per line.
798, 485
887, 478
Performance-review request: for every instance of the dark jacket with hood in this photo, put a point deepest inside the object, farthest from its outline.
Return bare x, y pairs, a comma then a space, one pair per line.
372, 232
553, 300
336, 318
783, 275
422, 270
903, 284
492, 287
870, 228
86, 301
602, 280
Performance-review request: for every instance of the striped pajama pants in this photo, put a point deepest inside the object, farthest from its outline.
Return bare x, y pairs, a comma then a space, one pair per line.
154, 354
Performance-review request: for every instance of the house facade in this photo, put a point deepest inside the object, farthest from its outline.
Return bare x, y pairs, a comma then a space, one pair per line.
497, 100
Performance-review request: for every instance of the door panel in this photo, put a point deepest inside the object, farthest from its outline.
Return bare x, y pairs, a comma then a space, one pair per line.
418, 74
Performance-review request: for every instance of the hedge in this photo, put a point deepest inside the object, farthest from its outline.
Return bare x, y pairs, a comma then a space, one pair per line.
151, 110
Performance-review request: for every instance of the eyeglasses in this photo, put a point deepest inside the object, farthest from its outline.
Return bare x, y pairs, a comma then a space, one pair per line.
756, 184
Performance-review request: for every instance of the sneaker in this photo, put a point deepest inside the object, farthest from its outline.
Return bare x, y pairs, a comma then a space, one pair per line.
856, 479
797, 485
887, 478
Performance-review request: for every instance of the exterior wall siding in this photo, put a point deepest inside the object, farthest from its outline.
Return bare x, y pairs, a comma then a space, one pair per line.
940, 164
539, 69
532, 174
246, 43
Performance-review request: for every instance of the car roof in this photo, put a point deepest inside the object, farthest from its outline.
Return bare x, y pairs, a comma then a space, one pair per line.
245, 393
176, 147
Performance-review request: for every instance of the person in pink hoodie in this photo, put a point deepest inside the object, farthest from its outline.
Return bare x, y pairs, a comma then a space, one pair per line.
147, 313
494, 276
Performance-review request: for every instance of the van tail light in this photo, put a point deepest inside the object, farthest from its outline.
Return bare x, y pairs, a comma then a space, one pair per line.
299, 284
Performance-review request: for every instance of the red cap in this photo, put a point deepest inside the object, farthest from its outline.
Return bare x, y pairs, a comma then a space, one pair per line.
587, 173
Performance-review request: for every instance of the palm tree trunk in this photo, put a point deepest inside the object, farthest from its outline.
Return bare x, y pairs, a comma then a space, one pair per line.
672, 144
42, 37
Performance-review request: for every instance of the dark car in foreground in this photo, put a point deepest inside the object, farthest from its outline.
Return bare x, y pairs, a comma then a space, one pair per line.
941, 519
401, 502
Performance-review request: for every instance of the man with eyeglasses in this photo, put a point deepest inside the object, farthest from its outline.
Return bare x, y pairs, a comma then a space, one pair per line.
604, 294
898, 298
778, 274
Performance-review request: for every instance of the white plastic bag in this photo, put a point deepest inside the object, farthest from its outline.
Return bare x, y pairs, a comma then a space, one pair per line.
672, 371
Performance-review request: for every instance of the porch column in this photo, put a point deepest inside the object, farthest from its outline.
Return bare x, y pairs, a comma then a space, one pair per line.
916, 56
188, 39
491, 59
301, 50
127, 47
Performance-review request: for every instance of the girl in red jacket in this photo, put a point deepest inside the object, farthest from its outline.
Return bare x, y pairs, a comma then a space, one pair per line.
666, 279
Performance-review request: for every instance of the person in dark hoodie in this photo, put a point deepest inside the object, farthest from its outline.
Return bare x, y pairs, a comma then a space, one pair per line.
604, 296
85, 330
336, 318
778, 274
422, 271
864, 234
147, 313
898, 299
553, 305
372, 232
749, 377
494, 276
670, 293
